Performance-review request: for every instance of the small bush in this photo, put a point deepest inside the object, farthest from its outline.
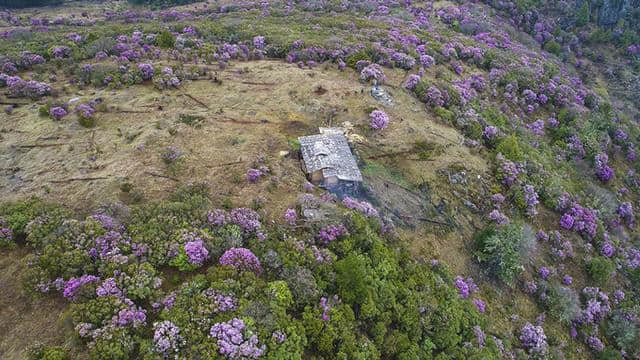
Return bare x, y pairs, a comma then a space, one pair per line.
624, 331
601, 269
495, 117
42, 352
562, 302
352, 59
510, 148
505, 250
444, 114
165, 39
553, 47
103, 44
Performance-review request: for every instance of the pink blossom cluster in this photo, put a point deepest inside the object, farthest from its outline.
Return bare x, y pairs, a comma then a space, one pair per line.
360, 205
465, 287
196, 251
241, 259
379, 120
330, 233
232, 340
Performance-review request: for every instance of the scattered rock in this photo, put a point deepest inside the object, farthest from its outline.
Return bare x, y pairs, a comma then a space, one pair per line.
381, 95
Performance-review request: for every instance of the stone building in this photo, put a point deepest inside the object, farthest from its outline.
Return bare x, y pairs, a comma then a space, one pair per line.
328, 162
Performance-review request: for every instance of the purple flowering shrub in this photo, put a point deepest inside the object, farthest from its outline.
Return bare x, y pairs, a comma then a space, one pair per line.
146, 70
527, 199
235, 340
171, 155
167, 340
290, 216
465, 287
361, 206
533, 339
192, 252
86, 114
373, 72
253, 175
603, 171
168, 78
625, 211
31, 89
508, 171
412, 81
379, 120
498, 217
6, 235
241, 259
57, 112
330, 233
60, 52
74, 285
580, 219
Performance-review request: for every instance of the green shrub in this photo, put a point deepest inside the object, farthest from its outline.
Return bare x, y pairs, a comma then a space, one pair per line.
553, 47
42, 352
43, 111
601, 269
421, 89
353, 279
495, 117
352, 59
505, 250
490, 59
165, 39
510, 148
19, 214
86, 121
117, 345
624, 332
609, 354
582, 17
600, 36
102, 44
280, 293
562, 302
444, 114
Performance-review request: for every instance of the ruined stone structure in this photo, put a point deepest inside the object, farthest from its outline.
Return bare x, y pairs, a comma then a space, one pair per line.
328, 161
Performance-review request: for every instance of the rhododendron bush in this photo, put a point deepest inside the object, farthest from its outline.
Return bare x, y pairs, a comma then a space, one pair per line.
109, 268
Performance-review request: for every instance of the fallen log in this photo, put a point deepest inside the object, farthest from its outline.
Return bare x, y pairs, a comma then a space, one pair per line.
122, 111
30, 146
257, 83
161, 176
232, 120
196, 100
79, 179
225, 164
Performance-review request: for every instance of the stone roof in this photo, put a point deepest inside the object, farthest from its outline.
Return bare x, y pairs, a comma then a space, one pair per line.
330, 153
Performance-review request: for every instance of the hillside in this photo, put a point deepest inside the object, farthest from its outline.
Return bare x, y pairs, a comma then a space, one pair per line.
153, 203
